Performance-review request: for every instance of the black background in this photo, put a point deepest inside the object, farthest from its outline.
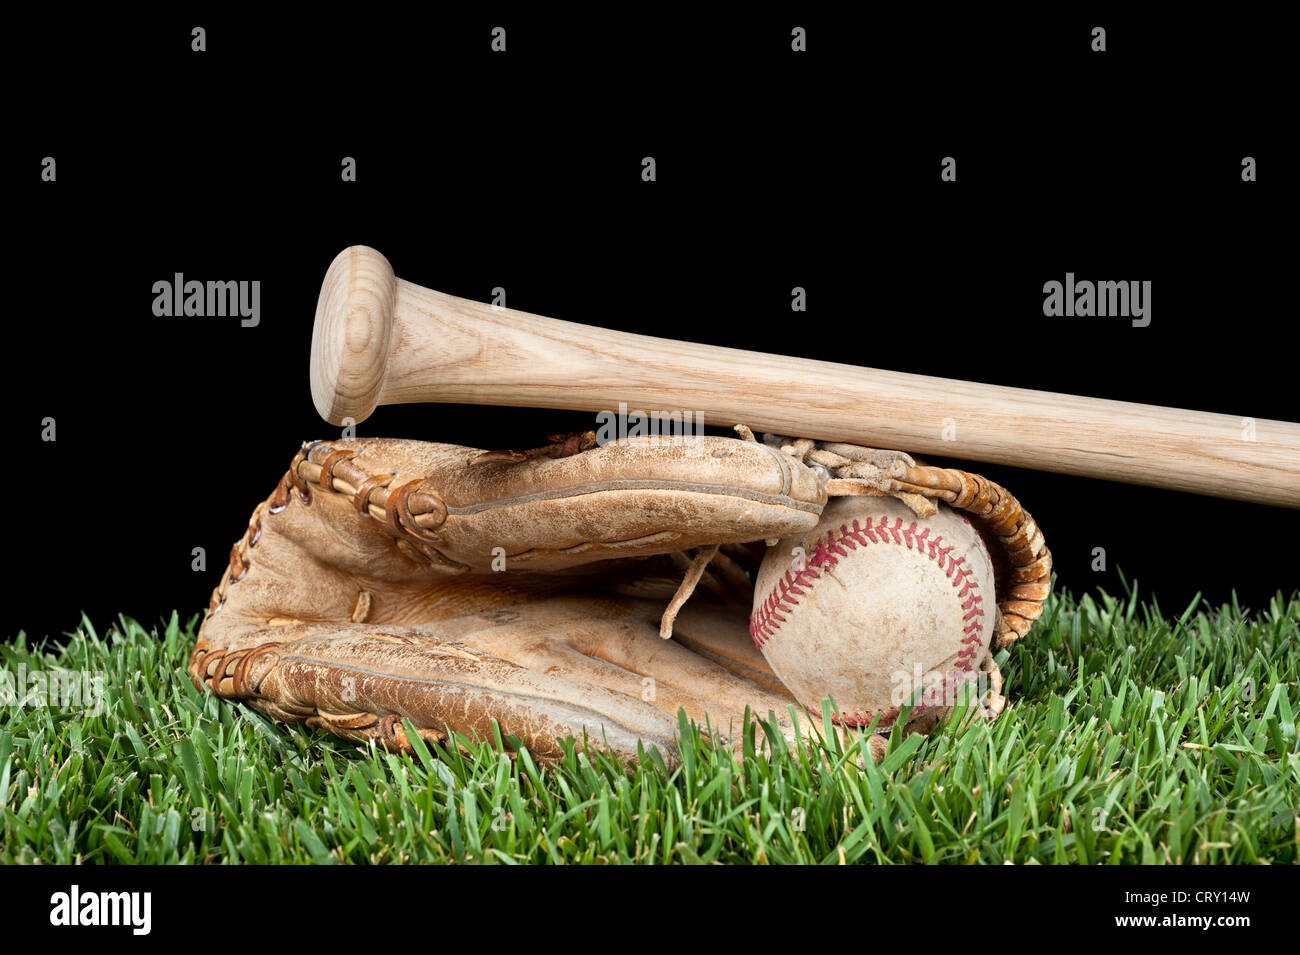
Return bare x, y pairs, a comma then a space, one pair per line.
523, 170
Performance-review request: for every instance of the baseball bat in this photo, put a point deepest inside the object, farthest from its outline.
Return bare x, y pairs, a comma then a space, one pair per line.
380, 340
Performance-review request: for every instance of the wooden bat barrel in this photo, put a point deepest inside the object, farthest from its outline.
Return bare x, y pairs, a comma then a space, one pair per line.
380, 340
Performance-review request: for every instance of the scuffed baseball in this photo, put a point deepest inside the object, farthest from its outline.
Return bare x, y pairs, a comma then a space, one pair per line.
873, 603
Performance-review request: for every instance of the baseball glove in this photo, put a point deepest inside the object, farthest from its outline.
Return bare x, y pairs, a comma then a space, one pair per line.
392, 579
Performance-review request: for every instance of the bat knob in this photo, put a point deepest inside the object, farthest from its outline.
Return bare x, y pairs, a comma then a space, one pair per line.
350, 342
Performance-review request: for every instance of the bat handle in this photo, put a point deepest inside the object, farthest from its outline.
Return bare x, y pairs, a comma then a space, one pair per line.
352, 339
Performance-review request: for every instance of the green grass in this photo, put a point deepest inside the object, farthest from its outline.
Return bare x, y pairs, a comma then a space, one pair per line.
1133, 737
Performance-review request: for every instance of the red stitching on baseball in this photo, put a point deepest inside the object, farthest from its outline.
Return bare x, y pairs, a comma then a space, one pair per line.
785, 594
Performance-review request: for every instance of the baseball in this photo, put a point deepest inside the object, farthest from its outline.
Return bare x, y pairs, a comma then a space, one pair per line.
875, 608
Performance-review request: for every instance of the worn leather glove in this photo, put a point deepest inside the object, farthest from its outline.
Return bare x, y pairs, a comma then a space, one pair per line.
388, 579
